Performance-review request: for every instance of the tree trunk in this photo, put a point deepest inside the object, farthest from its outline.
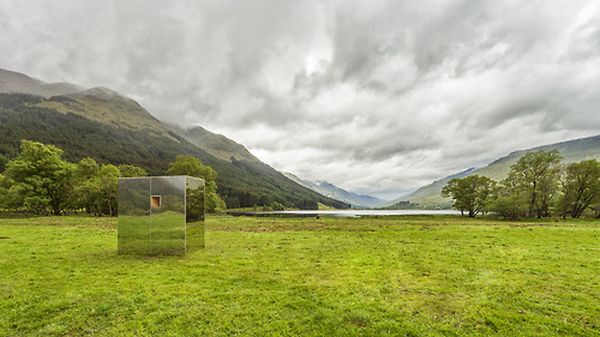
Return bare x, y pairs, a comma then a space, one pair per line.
55, 208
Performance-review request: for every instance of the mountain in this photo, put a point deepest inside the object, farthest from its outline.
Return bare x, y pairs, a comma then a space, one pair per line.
13, 82
572, 151
113, 128
430, 194
328, 189
108, 107
215, 144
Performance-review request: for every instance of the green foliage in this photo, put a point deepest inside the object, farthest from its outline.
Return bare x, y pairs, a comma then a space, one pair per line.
277, 207
41, 177
536, 175
581, 187
95, 187
471, 194
192, 166
84, 194
108, 182
3, 191
3, 161
509, 202
128, 170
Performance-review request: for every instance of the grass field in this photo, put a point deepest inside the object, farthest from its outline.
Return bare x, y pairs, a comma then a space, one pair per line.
413, 276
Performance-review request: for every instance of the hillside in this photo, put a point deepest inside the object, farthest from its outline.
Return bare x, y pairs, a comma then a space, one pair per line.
429, 195
332, 191
572, 151
13, 82
112, 128
215, 144
109, 107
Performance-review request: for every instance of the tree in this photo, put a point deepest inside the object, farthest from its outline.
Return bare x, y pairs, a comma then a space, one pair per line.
3, 161
131, 171
95, 187
84, 187
509, 201
581, 187
3, 192
192, 166
108, 183
39, 177
471, 194
536, 174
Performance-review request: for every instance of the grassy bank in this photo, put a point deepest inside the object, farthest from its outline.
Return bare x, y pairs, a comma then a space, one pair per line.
267, 276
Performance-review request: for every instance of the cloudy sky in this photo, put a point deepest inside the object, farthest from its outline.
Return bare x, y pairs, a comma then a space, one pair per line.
375, 96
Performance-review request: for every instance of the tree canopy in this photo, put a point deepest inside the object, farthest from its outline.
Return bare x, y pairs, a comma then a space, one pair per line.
536, 175
471, 194
39, 178
581, 187
192, 166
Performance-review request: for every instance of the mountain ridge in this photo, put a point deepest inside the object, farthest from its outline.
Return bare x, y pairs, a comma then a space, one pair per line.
330, 190
216, 144
15, 82
113, 128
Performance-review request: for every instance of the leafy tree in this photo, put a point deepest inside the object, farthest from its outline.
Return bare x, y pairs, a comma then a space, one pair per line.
41, 176
276, 206
108, 181
84, 187
95, 187
471, 194
131, 171
3, 192
509, 201
3, 161
192, 166
86, 169
536, 175
581, 187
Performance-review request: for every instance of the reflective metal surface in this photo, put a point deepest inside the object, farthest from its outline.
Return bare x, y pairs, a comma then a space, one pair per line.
133, 225
167, 222
155, 218
194, 211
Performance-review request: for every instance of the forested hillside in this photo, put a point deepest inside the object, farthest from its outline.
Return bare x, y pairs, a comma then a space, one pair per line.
241, 183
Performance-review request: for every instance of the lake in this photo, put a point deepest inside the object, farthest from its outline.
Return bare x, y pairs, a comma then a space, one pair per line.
353, 213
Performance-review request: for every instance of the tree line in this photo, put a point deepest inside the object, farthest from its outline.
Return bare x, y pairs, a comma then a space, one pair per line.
538, 185
40, 181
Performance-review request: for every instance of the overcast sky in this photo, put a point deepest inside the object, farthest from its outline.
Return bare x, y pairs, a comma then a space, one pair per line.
379, 97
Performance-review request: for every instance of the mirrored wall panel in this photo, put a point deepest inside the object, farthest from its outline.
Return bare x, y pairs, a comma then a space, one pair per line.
161, 215
194, 213
167, 224
133, 224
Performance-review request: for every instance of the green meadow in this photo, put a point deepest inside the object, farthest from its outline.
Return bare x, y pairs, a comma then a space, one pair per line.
393, 276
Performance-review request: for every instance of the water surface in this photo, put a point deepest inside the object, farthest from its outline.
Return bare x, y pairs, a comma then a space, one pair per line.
359, 213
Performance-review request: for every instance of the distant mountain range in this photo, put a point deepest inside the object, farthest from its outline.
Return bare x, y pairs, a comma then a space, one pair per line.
572, 151
328, 189
112, 128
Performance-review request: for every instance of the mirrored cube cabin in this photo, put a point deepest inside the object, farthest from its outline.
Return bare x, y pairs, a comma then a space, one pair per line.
160, 215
